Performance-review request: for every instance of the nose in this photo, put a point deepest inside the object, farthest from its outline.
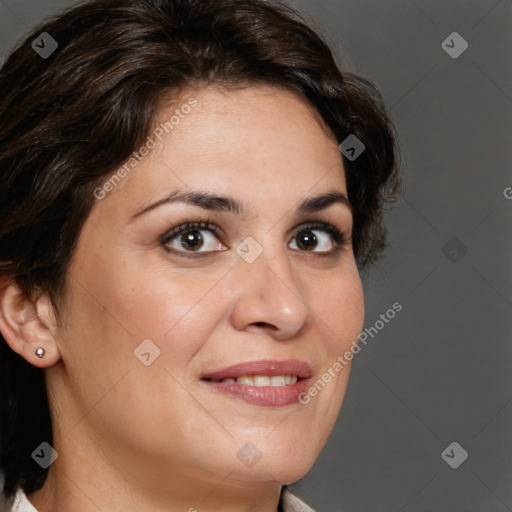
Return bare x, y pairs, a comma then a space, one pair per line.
270, 296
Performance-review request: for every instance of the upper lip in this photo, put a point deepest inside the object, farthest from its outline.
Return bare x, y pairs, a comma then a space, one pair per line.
263, 367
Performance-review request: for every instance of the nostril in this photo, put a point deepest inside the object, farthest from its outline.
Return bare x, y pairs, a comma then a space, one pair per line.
265, 325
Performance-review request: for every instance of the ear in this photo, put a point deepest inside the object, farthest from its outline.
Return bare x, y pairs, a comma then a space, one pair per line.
27, 324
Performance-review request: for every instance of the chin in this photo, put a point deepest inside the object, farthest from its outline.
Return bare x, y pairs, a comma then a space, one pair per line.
277, 471
283, 463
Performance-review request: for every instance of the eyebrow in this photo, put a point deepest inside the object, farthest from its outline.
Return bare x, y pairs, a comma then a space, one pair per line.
209, 201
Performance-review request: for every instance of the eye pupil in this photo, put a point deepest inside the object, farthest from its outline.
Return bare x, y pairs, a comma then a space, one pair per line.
192, 240
307, 240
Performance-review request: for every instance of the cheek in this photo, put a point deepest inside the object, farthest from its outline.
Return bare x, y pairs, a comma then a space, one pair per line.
142, 296
172, 305
176, 310
340, 311
114, 307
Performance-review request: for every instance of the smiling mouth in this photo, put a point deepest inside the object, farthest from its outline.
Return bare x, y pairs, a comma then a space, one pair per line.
265, 383
260, 390
275, 381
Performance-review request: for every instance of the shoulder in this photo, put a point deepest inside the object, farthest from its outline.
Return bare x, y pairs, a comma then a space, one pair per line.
290, 503
19, 503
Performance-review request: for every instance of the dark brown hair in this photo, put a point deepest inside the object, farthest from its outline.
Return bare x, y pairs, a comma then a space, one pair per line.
70, 120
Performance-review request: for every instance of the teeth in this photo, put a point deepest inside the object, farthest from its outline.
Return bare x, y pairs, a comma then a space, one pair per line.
276, 381
261, 381
246, 380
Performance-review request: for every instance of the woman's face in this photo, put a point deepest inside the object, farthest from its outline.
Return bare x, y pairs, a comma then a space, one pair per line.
256, 287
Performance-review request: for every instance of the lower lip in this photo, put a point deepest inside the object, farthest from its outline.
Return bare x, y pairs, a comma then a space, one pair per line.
264, 396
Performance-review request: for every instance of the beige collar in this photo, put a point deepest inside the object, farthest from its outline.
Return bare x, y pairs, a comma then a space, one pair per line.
290, 503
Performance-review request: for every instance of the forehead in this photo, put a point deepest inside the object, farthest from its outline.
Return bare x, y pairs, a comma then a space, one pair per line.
260, 143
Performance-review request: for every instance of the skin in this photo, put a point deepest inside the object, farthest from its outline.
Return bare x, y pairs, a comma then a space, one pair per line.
132, 437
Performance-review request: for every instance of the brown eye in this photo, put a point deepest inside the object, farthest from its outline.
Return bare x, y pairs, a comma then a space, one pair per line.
319, 237
307, 240
192, 240
190, 237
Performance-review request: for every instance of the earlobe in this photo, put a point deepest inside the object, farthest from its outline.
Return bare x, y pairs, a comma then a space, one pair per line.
28, 325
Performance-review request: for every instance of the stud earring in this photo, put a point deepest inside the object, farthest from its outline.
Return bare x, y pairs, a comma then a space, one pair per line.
40, 352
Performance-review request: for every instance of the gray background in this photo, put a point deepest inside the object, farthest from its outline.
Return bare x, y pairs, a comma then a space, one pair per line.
440, 370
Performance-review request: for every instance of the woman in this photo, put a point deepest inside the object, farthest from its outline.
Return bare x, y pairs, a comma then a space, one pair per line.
189, 189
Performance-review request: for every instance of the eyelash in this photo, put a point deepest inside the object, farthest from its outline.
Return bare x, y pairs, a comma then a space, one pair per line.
340, 239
